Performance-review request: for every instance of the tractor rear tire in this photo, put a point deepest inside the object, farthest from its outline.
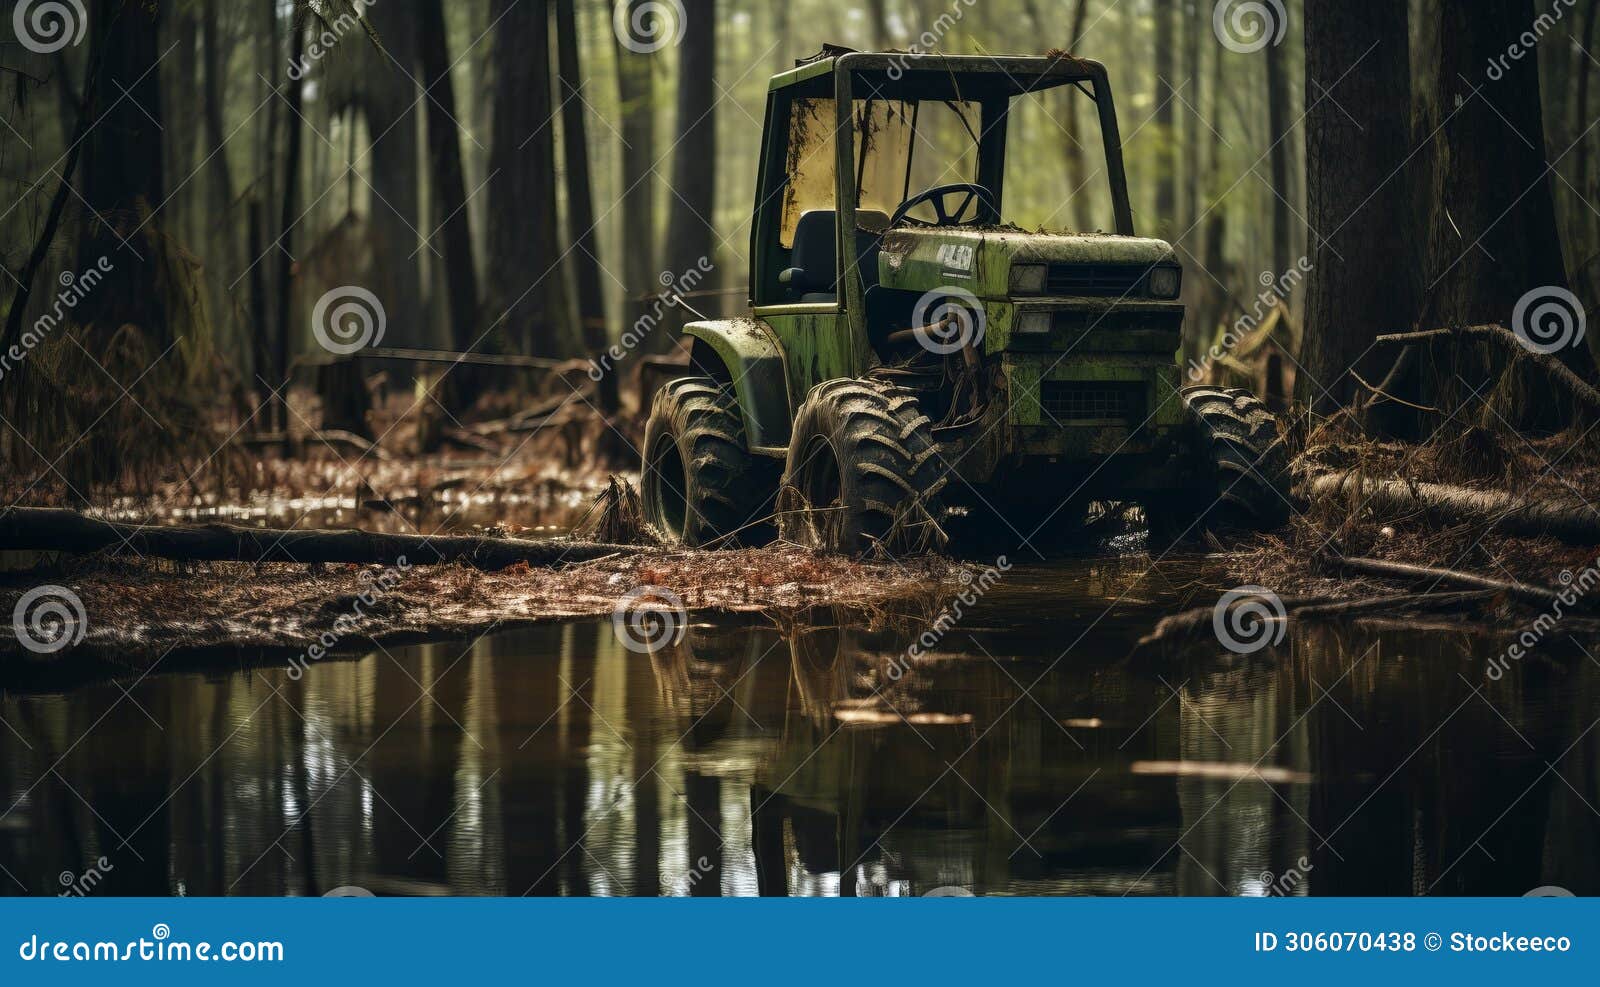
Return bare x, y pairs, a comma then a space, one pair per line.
863, 473
1243, 464
700, 482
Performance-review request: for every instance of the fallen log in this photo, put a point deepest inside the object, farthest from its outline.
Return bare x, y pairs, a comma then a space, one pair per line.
1322, 607
1580, 389
1539, 596
1576, 523
54, 529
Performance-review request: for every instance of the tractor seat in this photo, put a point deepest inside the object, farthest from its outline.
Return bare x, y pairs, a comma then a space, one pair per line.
814, 261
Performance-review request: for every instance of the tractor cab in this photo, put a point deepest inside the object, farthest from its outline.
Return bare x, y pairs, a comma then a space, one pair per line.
914, 352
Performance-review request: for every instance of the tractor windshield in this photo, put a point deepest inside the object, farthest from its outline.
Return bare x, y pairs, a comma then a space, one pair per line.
902, 147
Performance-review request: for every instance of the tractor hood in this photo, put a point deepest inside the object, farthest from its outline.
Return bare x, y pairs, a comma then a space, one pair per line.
980, 261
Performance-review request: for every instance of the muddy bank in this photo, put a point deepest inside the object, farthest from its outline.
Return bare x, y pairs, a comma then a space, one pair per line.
133, 613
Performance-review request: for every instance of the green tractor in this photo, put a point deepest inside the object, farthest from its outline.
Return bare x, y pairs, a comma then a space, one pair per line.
913, 366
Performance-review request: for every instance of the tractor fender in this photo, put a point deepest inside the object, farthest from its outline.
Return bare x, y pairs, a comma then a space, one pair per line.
753, 361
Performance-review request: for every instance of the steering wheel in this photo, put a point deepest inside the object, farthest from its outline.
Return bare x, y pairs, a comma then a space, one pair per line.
937, 196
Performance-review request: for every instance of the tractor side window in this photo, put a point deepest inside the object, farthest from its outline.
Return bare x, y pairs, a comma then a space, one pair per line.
809, 167
1056, 125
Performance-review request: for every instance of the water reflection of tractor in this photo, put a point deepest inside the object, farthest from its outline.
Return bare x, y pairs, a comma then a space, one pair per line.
897, 781
913, 361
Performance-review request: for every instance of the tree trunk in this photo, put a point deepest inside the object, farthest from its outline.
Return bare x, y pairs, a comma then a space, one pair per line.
1166, 207
123, 176
1493, 233
1362, 282
585, 255
690, 236
388, 101
449, 197
219, 224
529, 293
1278, 125
637, 94
289, 217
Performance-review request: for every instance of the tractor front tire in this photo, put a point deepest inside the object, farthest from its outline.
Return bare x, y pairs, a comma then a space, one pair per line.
1242, 464
700, 482
863, 472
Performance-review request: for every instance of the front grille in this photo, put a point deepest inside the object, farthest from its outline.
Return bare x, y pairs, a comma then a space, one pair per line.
1096, 280
1081, 401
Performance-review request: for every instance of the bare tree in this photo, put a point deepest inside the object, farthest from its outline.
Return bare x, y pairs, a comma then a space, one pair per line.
524, 248
584, 255
1357, 141
1493, 234
690, 235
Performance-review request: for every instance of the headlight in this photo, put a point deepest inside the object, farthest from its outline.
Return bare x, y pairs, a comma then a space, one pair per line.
1027, 279
1032, 322
1166, 282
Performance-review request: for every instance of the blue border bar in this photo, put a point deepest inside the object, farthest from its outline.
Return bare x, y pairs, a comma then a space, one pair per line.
798, 941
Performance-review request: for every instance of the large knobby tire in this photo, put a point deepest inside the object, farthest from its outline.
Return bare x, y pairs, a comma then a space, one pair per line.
1241, 462
700, 482
863, 472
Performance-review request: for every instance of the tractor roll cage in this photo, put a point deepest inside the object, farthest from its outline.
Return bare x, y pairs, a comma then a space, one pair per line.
990, 82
